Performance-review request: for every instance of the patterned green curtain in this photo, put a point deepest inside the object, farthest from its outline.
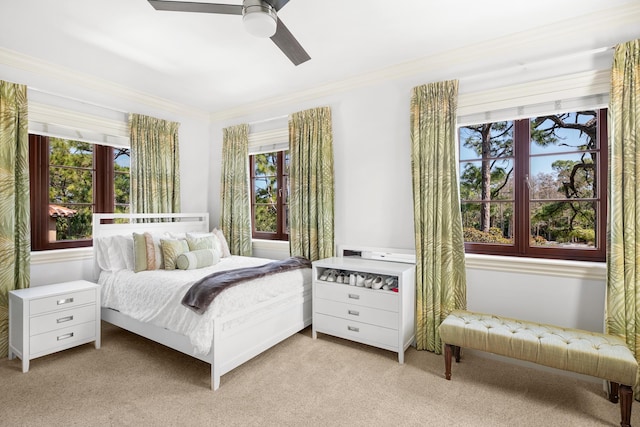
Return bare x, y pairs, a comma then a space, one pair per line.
15, 236
440, 267
623, 234
311, 184
155, 165
235, 218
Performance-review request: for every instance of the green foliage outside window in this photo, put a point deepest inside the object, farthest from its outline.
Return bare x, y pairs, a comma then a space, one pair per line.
561, 182
71, 185
269, 180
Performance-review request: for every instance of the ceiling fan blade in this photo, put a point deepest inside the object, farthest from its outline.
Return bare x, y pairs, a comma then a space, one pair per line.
289, 45
185, 6
277, 4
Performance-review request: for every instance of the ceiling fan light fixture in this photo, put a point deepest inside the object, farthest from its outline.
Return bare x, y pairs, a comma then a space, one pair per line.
259, 18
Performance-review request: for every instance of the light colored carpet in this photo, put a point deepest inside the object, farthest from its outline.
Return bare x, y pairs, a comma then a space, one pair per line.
328, 381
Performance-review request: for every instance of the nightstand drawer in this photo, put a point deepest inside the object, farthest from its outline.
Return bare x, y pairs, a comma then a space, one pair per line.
62, 338
62, 301
356, 331
385, 300
374, 316
62, 319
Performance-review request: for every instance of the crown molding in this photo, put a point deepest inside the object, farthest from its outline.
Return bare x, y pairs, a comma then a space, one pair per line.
37, 66
461, 62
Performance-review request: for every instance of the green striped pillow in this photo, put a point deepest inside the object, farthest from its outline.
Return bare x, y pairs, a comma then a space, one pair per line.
171, 248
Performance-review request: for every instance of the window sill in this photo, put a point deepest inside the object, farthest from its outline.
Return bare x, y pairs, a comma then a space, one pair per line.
61, 255
538, 266
270, 245
546, 267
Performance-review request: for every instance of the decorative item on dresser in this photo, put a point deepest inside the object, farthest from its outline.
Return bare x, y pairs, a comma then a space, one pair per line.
368, 297
50, 318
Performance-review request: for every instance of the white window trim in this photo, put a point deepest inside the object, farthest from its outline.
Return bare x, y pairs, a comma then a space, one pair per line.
538, 266
269, 141
61, 117
542, 97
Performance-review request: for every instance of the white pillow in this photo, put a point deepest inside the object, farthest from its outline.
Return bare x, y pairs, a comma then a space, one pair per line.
100, 252
223, 241
126, 250
114, 252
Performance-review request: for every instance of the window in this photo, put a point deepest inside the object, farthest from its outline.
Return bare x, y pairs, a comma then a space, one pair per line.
536, 187
71, 180
270, 195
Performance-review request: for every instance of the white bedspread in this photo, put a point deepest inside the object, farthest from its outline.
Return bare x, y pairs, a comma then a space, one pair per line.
155, 296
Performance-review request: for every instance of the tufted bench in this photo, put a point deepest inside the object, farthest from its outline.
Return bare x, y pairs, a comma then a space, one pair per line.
589, 353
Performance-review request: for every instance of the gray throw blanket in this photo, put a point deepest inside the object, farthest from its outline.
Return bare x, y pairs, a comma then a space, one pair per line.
202, 293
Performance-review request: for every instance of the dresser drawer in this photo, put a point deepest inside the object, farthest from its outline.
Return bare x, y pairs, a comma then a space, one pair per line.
62, 301
384, 300
356, 331
61, 319
49, 342
373, 316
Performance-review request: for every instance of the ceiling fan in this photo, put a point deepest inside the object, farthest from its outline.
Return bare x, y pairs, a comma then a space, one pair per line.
259, 18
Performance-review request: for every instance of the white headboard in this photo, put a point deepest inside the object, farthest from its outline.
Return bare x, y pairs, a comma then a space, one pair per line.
109, 224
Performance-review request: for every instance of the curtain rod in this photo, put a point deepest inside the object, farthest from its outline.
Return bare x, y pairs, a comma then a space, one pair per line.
82, 101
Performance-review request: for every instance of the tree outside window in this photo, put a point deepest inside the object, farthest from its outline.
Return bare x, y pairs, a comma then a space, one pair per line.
70, 180
535, 187
270, 195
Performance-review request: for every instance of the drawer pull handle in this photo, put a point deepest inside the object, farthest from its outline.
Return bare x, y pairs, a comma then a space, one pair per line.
65, 319
354, 296
65, 336
65, 301
354, 313
353, 329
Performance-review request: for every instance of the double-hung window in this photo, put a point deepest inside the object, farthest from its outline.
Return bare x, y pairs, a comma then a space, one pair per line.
269, 182
536, 187
270, 195
70, 181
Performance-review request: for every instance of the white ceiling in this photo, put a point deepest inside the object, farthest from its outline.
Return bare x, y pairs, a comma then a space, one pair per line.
208, 62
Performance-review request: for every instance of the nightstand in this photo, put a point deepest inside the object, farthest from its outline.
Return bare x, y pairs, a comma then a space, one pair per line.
50, 318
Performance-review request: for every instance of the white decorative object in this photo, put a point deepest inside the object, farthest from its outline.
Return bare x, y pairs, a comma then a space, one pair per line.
377, 317
47, 319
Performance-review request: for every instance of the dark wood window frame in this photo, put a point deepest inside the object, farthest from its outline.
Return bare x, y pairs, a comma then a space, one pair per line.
103, 191
281, 205
521, 246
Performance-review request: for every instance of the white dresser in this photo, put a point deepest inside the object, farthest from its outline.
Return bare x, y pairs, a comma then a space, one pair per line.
377, 317
51, 318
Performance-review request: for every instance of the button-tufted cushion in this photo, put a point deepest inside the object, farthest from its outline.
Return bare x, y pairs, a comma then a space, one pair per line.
590, 353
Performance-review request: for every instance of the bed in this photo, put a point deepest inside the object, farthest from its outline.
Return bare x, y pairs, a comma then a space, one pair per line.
241, 323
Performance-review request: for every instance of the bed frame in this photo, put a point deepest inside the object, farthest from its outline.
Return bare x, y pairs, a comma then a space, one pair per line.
231, 346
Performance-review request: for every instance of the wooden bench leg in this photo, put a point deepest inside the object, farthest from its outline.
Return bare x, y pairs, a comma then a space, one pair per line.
626, 399
449, 351
613, 392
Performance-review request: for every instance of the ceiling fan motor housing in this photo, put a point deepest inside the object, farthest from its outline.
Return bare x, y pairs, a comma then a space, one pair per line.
259, 18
